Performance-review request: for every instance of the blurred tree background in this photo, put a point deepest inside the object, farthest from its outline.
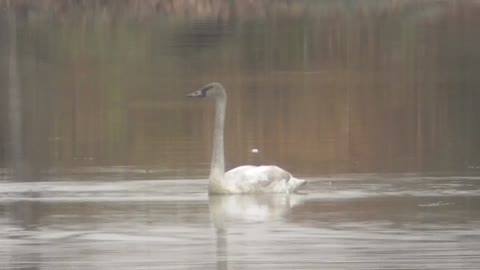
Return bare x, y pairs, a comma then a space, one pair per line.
319, 87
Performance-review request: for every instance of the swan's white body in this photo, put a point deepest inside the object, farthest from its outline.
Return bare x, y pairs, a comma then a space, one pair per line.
259, 179
243, 179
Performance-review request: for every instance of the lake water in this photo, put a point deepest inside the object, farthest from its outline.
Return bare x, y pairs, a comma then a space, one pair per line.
103, 160
343, 222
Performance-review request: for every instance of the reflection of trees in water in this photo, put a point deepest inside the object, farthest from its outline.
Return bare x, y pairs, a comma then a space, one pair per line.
26, 120
239, 9
350, 85
14, 101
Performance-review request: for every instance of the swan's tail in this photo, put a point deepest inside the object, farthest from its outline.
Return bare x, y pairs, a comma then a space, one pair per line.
296, 183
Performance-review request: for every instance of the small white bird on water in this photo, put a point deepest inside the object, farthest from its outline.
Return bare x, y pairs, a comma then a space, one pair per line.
243, 179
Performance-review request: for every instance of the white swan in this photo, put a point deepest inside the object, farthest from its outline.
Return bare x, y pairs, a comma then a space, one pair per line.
243, 179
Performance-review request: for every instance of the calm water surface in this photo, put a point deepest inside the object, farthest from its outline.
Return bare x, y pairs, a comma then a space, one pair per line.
351, 222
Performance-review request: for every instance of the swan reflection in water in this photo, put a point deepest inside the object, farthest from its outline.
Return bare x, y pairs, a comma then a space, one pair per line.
240, 212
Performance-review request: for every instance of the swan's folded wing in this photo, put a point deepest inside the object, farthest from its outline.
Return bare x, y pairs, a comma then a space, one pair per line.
261, 178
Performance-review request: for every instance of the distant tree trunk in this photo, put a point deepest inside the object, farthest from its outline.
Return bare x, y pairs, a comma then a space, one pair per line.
14, 102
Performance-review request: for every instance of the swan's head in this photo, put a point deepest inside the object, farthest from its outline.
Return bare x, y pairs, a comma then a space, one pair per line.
212, 89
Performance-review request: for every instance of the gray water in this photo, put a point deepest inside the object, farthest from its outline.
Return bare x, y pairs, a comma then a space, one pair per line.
349, 222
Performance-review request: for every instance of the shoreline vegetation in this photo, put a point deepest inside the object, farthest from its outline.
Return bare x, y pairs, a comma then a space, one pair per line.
237, 9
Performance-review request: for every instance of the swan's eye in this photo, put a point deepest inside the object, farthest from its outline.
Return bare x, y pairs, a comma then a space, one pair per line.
205, 91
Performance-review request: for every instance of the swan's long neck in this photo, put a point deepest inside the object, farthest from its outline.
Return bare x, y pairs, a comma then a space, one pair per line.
217, 167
